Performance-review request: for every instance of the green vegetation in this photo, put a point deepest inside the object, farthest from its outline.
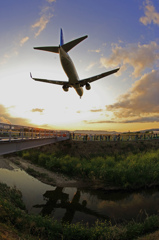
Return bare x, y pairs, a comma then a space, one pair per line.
15, 221
38, 174
125, 171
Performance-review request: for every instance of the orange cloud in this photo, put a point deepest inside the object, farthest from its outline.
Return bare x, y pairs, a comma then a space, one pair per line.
50, 1
40, 25
40, 110
9, 55
138, 56
150, 14
4, 120
96, 50
96, 110
140, 103
23, 40
90, 66
5, 117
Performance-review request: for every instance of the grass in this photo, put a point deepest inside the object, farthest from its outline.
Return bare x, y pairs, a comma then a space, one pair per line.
129, 171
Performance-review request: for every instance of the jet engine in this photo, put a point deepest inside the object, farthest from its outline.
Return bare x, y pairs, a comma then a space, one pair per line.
65, 88
88, 86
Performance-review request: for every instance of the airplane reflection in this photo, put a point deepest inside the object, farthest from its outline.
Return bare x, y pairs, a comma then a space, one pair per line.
58, 199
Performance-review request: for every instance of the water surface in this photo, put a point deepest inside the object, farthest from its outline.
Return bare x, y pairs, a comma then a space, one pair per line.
80, 205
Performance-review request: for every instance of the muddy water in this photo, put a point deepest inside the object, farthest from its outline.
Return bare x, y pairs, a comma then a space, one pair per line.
77, 205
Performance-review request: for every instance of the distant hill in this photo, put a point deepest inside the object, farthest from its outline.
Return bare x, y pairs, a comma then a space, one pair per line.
151, 130
97, 132
102, 132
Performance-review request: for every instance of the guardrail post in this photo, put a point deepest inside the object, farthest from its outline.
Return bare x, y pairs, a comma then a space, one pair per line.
22, 133
10, 134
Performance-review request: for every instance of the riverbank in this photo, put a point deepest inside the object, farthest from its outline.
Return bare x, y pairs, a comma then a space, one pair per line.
115, 171
132, 230
44, 175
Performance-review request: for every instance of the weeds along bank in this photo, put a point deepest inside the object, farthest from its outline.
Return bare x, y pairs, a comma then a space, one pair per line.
99, 148
14, 220
121, 165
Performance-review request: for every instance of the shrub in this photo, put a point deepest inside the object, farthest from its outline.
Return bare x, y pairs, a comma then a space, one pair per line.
42, 159
126, 171
26, 155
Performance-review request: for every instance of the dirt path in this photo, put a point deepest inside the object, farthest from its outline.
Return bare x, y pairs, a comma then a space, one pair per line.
46, 176
5, 163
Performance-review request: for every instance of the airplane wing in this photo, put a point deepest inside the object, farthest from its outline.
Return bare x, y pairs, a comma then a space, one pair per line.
94, 78
50, 81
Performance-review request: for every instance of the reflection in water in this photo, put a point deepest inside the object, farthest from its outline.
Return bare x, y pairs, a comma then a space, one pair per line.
101, 205
76, 205
58, 199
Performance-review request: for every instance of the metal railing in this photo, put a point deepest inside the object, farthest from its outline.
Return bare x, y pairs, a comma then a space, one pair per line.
9, 132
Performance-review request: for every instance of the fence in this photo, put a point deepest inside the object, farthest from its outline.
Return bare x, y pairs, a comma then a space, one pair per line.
9, 132
114, 137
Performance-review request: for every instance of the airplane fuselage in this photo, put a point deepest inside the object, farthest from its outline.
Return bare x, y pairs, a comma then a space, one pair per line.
69, 68
70, 71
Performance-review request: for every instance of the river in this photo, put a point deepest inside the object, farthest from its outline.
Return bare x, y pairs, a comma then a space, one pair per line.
85, 205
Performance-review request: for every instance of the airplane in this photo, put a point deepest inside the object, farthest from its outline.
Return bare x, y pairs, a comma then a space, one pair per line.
69, 68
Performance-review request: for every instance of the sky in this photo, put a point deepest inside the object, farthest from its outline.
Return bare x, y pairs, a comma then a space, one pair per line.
121, 34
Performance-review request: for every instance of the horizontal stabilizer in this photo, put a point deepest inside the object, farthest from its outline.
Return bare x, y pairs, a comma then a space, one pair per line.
68, 46
49, 49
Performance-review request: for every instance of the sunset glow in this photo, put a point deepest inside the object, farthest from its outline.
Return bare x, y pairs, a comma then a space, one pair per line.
120, 34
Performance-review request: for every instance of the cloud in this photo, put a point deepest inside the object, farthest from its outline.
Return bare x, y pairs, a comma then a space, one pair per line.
23, 40
5, 117
50, 1
143, 120
140, 103
40, 24
90, 66
150, 14
14, 51
98, 122
96, 51
96, 110
9, 55
40, 110
138, 56
135, 120
4, 120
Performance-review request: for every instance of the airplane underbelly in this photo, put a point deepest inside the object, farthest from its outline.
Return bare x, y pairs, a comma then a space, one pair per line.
69, 69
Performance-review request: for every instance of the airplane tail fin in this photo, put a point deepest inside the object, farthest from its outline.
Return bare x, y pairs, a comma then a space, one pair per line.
67, 46
61, 38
